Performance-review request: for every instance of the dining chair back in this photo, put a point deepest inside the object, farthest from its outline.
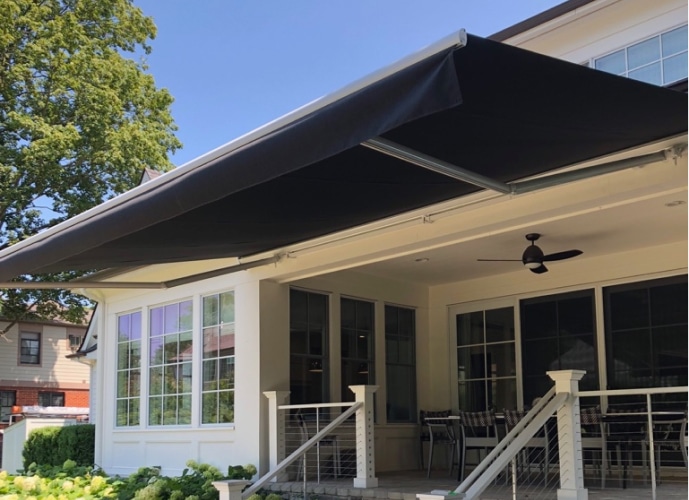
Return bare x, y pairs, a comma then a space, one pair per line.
479, 431
437, 429
594, 437
536, 450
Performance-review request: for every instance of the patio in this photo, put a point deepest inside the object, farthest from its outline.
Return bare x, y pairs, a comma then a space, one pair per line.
406, 485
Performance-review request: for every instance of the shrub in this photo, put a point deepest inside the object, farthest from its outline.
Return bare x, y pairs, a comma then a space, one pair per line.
40, 447
55, 445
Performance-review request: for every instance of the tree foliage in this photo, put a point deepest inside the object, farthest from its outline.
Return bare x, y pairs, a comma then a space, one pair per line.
79, 121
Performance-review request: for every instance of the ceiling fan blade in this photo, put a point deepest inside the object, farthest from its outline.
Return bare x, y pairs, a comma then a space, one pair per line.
567, 254
499, 260
539, 270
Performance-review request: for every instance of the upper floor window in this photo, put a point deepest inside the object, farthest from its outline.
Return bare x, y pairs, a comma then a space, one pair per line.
170, 359
50, 398
30, 348
660, 60
217, 393
74, 342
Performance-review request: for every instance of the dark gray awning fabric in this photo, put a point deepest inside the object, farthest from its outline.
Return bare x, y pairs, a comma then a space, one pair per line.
491, 108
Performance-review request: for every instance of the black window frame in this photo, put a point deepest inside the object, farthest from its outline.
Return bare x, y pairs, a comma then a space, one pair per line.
50, 397
310, 364
25, 349
393, 334
654, 324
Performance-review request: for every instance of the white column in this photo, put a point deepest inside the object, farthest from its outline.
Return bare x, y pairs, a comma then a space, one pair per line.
365, 445
230, 489
569, 436
276, 430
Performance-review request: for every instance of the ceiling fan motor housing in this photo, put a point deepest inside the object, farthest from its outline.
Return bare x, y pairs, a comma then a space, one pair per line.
532, 256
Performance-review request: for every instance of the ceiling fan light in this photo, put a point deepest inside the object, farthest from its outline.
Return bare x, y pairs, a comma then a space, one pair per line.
533, 265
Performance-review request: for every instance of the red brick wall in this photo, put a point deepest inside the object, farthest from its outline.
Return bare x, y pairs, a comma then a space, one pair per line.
29, 396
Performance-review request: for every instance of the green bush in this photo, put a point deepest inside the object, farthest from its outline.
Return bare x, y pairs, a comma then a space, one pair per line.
55, 445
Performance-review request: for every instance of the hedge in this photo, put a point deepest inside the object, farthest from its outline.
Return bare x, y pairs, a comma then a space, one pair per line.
55, 445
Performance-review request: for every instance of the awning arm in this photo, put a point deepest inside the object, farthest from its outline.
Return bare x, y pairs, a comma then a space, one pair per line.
414, 157
152, 285
588, 172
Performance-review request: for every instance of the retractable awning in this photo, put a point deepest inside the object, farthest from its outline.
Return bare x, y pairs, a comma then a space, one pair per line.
499, 112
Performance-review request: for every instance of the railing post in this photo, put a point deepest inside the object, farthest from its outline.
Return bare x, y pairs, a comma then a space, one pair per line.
365, 444
276, 430
569, 436
230, 489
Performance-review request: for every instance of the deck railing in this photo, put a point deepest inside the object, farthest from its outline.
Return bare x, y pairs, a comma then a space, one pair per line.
613, 444
314, 428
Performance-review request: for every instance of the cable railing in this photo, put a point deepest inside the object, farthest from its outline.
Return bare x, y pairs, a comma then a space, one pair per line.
333, 456
309, 448
645, 432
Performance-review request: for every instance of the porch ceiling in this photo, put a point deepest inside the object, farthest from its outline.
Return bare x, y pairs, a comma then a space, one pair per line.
628, 227
493, 109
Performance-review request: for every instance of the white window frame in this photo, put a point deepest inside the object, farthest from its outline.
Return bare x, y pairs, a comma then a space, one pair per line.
591, 63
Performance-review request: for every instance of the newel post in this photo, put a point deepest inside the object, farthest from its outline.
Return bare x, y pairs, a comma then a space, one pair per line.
230, 489
569, 436
276, 430
365, 444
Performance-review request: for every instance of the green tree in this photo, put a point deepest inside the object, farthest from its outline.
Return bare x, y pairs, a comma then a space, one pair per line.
80, 119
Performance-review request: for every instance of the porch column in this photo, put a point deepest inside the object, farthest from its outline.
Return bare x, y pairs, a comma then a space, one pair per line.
569, 436
365, 445
276, 430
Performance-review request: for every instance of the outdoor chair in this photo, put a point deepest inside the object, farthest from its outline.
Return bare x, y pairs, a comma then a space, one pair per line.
668, 436
437, 429
537, 449
626, 428
328, 441
479, 431
594, 438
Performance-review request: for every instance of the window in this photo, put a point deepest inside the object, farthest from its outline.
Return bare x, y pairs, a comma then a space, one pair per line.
357, 335
128, 369
558, 333
400, 364
74, 341
30, 348
486, 369
646, 333
217, 406
660, 60
51, 399
170, 360
7, 400
308, 347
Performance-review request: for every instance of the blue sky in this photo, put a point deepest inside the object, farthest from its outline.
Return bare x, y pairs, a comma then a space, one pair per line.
234, 65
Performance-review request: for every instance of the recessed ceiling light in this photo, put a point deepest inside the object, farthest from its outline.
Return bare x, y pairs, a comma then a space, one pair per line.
422, 259
675, 203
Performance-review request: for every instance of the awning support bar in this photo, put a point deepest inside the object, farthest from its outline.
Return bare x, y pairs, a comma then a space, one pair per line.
409, 155
414, 157
152, 285
588, 172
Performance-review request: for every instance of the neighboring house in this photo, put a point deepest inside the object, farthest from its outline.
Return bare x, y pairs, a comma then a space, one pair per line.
34, 369
308, 255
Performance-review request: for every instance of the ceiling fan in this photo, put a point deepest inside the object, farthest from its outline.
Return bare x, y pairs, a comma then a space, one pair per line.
533, 257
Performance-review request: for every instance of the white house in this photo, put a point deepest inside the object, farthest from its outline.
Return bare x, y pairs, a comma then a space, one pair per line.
350, 233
